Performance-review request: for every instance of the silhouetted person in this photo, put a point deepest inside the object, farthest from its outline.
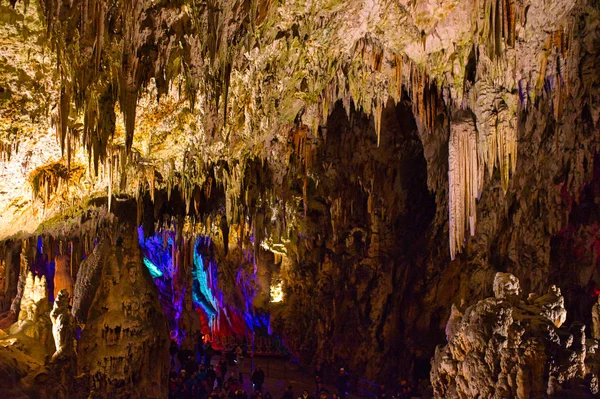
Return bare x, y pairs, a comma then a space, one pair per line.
211, 375
173, 350
320, 389
306, 395
288, 394
341, 383
318, 375
404, 390
239, 356
381, 392
208, 353
198, 347
223, 367
258, 378
190, 366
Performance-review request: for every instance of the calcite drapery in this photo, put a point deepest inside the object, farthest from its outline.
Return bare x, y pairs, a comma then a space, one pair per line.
88, 280
465, 179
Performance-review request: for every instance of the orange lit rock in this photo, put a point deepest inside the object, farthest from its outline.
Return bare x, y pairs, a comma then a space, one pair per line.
62, 276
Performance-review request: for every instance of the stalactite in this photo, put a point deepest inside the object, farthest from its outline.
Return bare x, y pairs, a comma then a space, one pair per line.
110, 183
506, 145
63, 115
544, 63
496, 25
100, 13
377, 115
510, 22
464, 181
398, 77
6, 150
48, 180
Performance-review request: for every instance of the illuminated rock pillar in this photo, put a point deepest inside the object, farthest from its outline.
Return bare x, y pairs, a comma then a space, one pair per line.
62, 275
124, 345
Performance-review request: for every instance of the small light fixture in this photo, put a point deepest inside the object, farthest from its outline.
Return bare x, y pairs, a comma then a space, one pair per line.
277, 292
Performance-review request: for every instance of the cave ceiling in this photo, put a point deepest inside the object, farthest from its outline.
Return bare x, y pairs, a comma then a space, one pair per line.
111, 99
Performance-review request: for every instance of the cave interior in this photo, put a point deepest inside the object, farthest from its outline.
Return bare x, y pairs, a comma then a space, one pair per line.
402, 193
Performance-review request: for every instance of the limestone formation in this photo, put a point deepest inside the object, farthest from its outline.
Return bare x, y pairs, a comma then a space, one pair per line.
62, 275
34, 319
63, 326
2, 277
124, 345
23, 269
87, 282
26, 311
506, 286
596, 319
551, 305
453, 324
513, 348
465, 180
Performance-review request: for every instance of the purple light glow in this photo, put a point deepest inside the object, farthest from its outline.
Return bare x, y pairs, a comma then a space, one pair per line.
221, 318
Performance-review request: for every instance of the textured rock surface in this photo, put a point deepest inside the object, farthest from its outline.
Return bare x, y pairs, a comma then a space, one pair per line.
64, 329
512, 348
34, 319
63, 326
124, 344
62, 275
24, 351
596, 320
88, 280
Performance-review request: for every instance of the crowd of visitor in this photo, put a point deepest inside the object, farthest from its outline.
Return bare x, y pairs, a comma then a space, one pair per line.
193, 376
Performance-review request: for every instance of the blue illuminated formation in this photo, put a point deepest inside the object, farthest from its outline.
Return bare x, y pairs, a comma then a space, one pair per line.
202, 295
155, 272
157, 253
218, 318
157, 250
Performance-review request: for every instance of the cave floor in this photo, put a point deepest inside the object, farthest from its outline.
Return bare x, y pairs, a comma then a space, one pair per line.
279, 373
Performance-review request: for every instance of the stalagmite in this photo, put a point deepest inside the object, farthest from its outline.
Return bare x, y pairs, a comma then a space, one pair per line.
124, 346
377, 115
34, 320
63, 326
506, 347
23, 269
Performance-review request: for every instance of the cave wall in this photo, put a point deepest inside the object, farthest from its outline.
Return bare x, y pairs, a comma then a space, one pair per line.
364, 231
373, 257
522, 231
